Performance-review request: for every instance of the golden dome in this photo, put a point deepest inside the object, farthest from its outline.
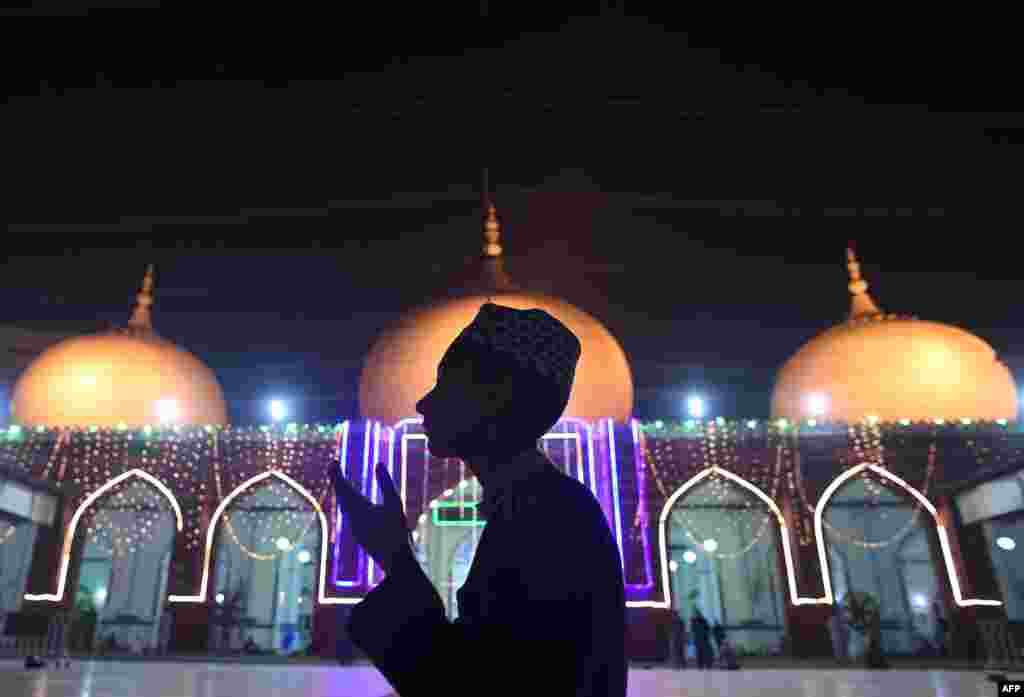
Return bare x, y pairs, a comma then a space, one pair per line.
892, 368
128, 376
401, 367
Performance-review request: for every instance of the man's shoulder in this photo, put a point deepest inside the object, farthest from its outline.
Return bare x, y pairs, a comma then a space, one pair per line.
560, 504
557, 492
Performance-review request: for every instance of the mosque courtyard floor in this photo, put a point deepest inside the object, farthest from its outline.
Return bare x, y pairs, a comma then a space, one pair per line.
193, 679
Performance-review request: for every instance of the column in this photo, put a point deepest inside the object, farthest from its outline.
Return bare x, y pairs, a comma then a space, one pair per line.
969, 550
190, 629
808, 624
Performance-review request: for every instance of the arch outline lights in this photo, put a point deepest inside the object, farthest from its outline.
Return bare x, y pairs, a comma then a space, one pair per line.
940, 529
787, 550
69, 534
219, 511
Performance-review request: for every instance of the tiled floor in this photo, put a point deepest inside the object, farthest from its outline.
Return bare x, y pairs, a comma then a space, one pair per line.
137, 679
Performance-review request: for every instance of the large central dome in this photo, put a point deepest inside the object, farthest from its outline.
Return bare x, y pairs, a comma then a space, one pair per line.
402, 365
893, 368
128, 376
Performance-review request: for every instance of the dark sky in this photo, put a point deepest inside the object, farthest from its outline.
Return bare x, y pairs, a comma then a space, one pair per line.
300, 181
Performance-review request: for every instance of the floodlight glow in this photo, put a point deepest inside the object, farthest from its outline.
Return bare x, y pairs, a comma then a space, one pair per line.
920, 600
277, 410
695, 407
167, 411
817, 404
689, 556
283, 544
710, 545
305, 556
1006, 543
673, 566
219, 598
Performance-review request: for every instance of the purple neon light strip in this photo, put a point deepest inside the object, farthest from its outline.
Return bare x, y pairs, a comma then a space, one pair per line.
641, 482
362, 483
615, 491
342, 453
373, 490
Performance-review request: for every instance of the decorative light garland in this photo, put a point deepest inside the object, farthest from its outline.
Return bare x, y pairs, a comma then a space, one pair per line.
283, 456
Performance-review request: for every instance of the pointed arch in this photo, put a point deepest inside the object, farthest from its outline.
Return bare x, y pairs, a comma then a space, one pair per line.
940, 529
787, 551
219, 511
69, 534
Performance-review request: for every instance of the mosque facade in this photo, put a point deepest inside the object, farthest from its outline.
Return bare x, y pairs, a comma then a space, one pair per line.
135, 515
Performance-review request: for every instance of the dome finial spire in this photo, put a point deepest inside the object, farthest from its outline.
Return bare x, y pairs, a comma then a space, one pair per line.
492, 229
141, 317
861, 305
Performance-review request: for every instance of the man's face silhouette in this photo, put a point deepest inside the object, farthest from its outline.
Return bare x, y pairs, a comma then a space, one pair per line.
459, 407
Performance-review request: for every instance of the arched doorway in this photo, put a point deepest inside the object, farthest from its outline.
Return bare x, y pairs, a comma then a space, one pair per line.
446, 538
723, 549
266, 564
878, 542
128, 534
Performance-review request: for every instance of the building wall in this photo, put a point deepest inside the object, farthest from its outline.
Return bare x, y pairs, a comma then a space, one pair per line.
203, 468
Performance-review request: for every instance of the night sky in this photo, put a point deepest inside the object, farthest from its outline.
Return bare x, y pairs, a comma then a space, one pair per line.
300, 181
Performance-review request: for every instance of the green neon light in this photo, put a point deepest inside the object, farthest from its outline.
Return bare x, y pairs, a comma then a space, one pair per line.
456, 523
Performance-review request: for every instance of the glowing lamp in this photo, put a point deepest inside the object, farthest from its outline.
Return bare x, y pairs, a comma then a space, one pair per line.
1006, 543
673, 566
695, 407
752, 423
283, 544
277, 410
710, 545
167, 410
689, 556
920, 601
817, 404
220, 598
305, 556
100, 596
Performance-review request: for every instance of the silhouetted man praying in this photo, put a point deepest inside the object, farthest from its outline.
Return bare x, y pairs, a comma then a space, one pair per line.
543, 609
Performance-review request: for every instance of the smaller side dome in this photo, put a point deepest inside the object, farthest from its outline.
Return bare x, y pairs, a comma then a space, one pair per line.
128, 376
892, 368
